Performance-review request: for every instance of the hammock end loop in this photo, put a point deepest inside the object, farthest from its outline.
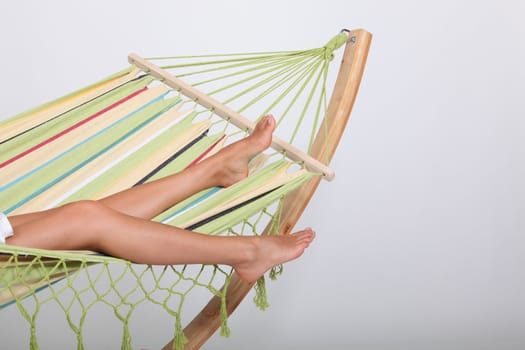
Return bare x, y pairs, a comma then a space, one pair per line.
335, 43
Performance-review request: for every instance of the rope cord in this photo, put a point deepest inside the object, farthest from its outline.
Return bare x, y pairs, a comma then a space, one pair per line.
260, 75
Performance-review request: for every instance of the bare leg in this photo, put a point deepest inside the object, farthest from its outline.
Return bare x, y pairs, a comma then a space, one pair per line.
92, 225
223, 169
119, 225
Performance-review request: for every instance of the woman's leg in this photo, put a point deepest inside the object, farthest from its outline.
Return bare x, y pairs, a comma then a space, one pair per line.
92, 225
118, 225
223, 169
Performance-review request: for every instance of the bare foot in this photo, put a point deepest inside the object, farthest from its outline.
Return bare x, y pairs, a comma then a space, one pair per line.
232, 161
270, 251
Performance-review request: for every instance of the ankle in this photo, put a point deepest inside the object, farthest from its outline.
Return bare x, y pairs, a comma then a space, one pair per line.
249, 249
208, 172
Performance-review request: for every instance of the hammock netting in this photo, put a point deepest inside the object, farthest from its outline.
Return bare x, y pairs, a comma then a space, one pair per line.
132, 128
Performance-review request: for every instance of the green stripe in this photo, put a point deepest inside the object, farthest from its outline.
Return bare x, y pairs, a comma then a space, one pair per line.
75, 158
131, 162
66, 97
238, 216
52, 127
235, 190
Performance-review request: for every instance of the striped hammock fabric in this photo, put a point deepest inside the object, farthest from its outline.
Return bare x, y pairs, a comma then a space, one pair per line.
136, 126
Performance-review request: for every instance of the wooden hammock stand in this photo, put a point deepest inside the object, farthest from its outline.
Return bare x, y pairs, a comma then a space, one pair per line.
204, 325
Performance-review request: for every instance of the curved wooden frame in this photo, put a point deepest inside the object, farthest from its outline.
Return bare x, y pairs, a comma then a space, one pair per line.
204, 325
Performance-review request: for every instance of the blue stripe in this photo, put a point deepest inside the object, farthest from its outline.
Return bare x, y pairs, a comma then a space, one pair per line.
98, 154
192, 204
35, 170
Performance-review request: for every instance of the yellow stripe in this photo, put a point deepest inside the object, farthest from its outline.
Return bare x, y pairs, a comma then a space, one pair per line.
18, 125
55, 148
155, 160
48, 197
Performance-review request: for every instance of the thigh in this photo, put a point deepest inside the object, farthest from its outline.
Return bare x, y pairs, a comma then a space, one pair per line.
17, 220
58, 228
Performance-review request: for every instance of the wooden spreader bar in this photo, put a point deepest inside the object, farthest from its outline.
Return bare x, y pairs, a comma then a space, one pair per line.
229, 114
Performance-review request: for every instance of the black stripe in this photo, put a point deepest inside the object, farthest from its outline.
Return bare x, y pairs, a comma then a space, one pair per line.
170, 159
227, 211
69, 110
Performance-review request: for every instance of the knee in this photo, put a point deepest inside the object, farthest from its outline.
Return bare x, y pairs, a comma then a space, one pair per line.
84, 213
82, 223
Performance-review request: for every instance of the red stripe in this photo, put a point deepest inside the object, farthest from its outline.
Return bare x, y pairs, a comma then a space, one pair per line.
206, 152
71, 128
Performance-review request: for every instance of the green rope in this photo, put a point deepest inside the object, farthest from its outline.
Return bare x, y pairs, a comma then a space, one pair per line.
307, 102
274, 70
321, 106
279, 53
246, 60
335, 43
225, 330
257, 64
287, 91
271, 88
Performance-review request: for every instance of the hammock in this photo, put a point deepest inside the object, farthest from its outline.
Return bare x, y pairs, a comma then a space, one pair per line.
157, 117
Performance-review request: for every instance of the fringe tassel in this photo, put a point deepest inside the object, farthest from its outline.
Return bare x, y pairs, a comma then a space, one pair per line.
261, 299
276, 271
180, 338
225, 330
33, 344
80, 342
126, 337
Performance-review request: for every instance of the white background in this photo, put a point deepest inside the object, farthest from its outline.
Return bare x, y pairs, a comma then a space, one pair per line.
421, 236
